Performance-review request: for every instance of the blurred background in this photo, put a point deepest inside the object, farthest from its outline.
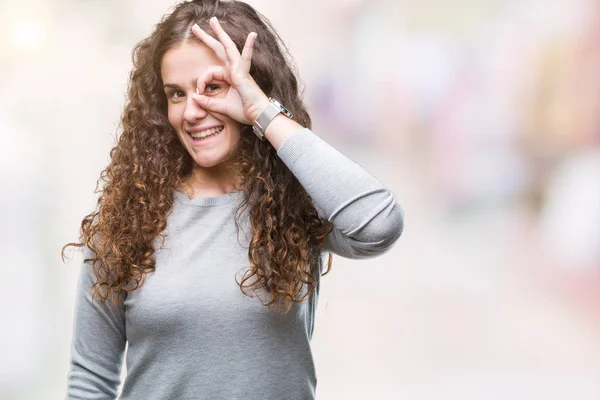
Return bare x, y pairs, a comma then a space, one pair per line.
482, 116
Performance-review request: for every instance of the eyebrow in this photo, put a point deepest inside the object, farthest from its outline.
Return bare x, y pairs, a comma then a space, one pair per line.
194, 83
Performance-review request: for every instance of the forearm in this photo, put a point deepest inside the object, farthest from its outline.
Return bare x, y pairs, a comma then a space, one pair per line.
359, 206
280, 129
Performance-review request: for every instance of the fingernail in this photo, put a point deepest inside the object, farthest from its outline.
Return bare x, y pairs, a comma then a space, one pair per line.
197, 91
195, 26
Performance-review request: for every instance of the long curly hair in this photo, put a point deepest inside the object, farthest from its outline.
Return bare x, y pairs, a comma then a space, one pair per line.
148, 163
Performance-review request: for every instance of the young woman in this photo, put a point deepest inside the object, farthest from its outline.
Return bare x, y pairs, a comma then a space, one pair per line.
218, 209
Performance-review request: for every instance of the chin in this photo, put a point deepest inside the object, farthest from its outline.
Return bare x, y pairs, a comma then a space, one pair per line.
210, 161
207, 163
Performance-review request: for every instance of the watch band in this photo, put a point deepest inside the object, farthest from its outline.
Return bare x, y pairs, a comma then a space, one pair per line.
264, 119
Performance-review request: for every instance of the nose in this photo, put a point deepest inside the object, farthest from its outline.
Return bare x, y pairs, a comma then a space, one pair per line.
193, 111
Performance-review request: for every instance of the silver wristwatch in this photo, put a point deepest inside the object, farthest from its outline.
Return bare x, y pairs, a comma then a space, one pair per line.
265, 118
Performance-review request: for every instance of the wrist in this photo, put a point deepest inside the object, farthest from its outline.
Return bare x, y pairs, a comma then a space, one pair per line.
280, 129
255, 111
264, 119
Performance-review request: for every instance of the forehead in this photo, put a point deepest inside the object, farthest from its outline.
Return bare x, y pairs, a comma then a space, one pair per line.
187, 61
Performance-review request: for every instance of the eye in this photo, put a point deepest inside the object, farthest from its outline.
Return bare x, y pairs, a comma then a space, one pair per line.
212, 88
176, 94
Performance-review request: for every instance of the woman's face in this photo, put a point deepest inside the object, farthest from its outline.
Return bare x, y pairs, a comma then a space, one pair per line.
180, 68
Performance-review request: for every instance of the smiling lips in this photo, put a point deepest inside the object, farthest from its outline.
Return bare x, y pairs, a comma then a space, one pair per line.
206, 132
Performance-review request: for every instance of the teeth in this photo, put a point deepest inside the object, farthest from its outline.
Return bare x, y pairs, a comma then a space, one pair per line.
212, 131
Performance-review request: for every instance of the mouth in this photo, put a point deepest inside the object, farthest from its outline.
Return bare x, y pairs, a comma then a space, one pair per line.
207, 134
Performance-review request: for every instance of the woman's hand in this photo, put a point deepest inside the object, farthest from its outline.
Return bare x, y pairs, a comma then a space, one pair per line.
244, 100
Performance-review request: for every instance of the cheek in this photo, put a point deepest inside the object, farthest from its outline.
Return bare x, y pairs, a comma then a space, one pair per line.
174, 116
234, 126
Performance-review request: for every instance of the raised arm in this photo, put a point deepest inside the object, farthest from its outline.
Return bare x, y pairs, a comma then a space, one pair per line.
367, 219
365, 214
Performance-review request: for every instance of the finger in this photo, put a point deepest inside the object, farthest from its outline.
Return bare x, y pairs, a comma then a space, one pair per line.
210, 41
230, 47
215, 72
249, 47
215, 104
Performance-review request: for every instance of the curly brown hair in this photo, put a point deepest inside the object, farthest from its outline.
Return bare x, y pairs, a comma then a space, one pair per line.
148, 163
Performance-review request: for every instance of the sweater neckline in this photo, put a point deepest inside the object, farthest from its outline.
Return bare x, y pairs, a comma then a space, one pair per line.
208, 201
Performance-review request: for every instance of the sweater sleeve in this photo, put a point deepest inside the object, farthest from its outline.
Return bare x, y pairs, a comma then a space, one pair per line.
98, 343
367, 219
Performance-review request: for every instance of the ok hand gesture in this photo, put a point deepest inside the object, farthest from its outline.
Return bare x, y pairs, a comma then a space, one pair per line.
245, 100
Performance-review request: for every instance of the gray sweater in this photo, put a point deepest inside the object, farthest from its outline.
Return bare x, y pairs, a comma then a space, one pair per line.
191, 333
